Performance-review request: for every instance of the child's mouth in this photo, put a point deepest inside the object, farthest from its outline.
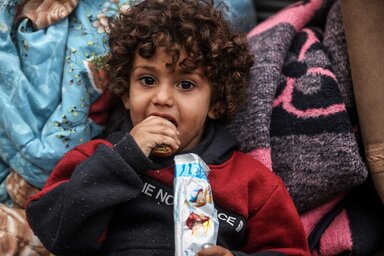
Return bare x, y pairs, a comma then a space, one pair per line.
167, 117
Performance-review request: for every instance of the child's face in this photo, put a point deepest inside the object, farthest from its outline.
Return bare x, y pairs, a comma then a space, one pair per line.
169, 92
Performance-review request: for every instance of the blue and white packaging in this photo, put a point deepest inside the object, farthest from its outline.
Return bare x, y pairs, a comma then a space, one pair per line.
195, 216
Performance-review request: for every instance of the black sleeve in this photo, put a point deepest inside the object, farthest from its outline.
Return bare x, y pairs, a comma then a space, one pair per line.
72, 215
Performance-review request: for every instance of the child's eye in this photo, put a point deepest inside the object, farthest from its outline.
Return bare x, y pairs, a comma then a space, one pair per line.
147, 80
186, 85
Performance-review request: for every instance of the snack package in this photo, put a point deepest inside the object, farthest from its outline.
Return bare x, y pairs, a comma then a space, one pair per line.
195, 216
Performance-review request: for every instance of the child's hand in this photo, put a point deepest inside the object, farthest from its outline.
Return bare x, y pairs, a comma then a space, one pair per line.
153, 131
214, 251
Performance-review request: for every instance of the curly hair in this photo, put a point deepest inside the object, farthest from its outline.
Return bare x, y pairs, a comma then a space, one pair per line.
194, 26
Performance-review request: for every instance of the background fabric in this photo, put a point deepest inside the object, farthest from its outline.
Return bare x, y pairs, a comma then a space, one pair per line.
297, 121
45, 94
43, 13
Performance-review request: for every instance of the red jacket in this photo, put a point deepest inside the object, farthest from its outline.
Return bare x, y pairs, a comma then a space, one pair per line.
103, 198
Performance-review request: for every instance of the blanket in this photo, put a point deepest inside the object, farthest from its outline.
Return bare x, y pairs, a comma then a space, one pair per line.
297, 120
46, 97
301, 122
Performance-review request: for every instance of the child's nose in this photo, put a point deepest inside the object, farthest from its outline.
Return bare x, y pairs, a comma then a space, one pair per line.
164, 95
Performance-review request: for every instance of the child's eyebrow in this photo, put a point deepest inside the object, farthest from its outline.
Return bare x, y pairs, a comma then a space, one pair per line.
180, 71
193, 72
148, 67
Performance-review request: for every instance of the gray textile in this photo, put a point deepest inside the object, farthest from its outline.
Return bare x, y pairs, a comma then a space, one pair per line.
301, 105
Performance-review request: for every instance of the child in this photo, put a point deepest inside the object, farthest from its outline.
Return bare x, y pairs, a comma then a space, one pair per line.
181, 73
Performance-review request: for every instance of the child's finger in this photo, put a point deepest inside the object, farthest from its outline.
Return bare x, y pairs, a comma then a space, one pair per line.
214, 251
160, 125
166, 140
166, 122
157, 125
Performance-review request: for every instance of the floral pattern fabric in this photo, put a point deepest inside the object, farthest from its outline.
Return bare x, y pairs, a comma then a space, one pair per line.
45, 93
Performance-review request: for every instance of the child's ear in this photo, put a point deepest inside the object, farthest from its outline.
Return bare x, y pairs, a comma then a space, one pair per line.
125, 99
216, 111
